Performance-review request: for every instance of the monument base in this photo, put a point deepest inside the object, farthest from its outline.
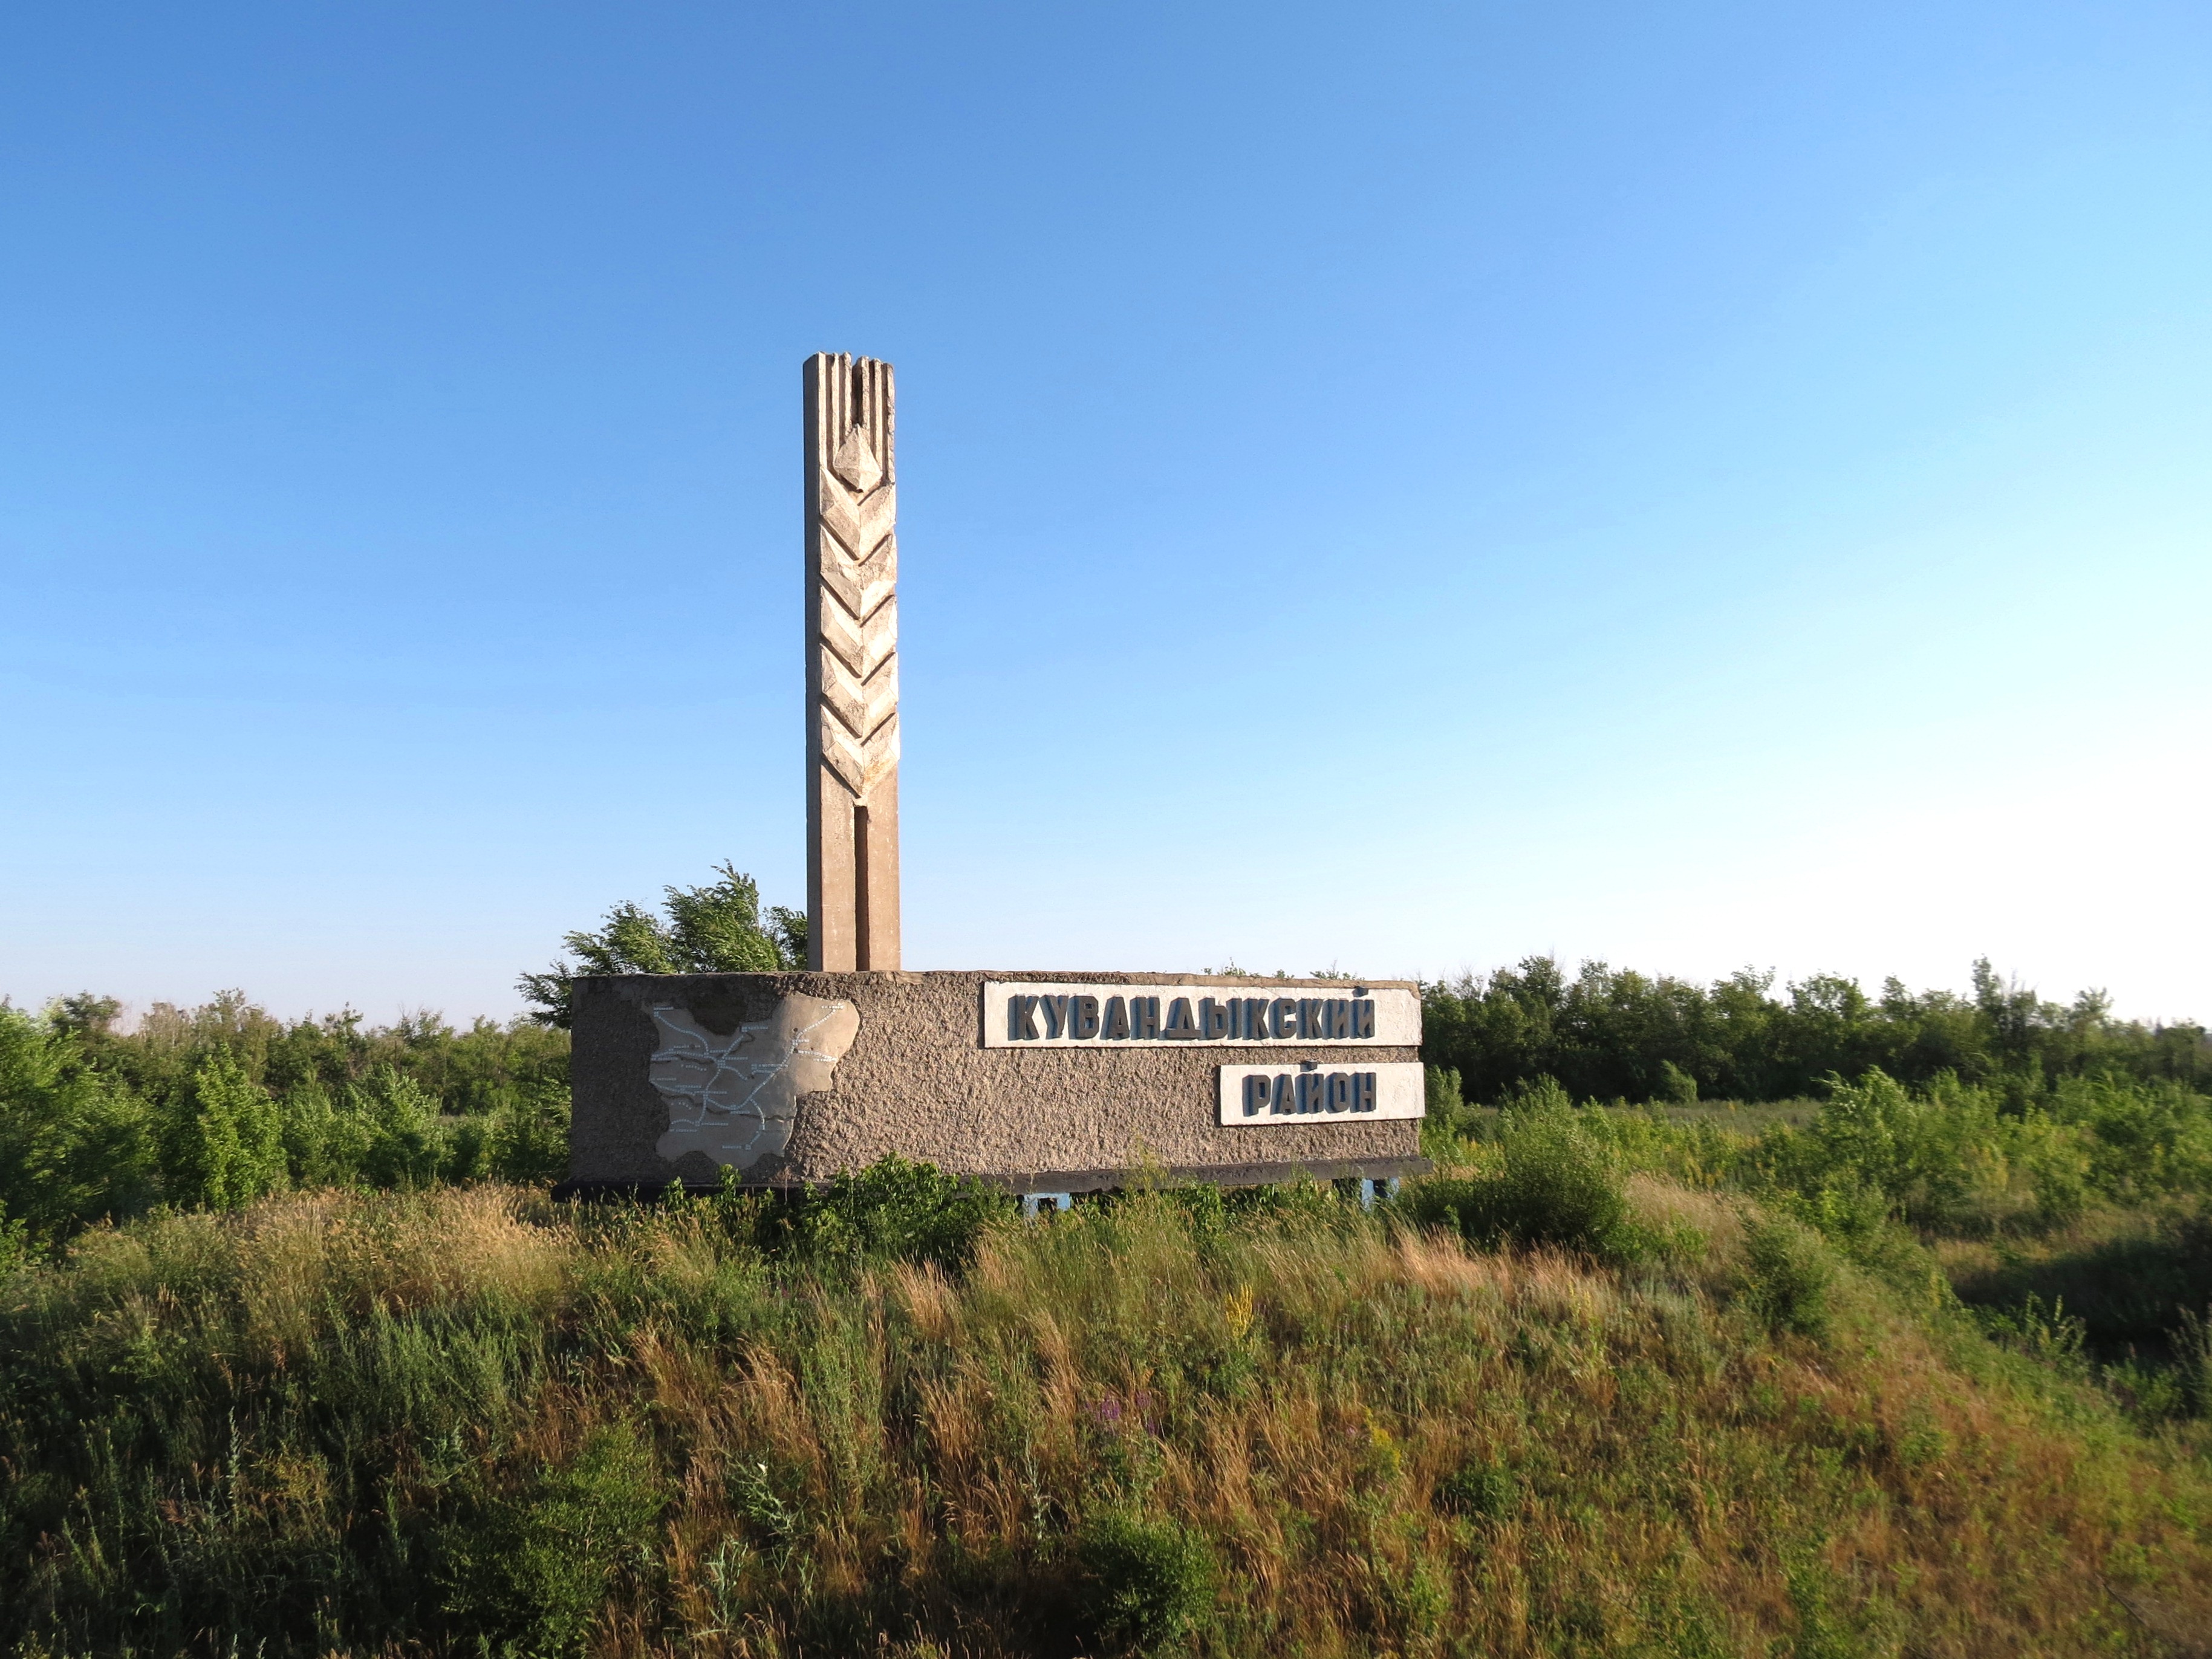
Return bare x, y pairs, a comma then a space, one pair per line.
1035, 1083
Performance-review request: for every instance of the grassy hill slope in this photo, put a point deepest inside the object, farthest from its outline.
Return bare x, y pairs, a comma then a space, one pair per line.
897, 1421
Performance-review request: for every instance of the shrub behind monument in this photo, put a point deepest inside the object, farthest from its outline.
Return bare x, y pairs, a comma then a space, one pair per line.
1552, 1183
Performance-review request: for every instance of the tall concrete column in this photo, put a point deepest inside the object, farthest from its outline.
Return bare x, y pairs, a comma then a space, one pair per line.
852, 666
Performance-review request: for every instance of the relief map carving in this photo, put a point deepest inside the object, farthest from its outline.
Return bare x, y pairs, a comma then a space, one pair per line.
735, 1098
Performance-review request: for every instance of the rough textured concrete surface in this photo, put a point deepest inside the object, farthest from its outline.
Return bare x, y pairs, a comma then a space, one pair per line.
915, 1078
852, 664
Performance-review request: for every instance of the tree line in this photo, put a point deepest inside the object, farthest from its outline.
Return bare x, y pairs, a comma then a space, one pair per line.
1613, 1034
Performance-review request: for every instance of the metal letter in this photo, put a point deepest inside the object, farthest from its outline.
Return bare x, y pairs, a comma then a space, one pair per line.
1082, 1017
1256, 1094
1283, 1017
1056, 1015
1144, 1017
1363, 1020
1021, 1018
1117, 1018
1340, 1092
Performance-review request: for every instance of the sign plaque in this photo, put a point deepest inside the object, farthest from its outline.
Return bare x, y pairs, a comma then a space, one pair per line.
1349, 1090
1034, 1015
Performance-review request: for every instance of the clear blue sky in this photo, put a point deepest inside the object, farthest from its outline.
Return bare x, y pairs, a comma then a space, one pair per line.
1405, 487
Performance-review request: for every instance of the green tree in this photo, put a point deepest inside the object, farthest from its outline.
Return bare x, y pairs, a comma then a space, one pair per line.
399, 1117
529, 1135
1677, 1085
714, 929
324, 1147
74, 1145
224, 1138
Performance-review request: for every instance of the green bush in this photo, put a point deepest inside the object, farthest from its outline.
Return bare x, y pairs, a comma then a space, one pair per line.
526, 1573
529, 1136
1555, 1183
892, 1210
74, 1145
1448, 1118
1140, 1585
1482, 1488
323, 1145
210, 1107
2144, 1139
2057, 1165
403, 1148
1969, 1160
1788, 1271
222, 1138
1559, 1187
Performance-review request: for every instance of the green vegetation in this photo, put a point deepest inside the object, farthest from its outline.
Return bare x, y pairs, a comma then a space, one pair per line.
1552, 1183
1616, 1035
2076, 1228
298, 1357
469, 1420
215, 1106
714, 929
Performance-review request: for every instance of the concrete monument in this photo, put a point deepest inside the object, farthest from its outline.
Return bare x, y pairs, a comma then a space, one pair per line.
1045, 1084
789, 1077
852, 665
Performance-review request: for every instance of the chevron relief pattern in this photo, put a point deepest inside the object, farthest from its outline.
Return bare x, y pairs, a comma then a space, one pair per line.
857, 646
851, 497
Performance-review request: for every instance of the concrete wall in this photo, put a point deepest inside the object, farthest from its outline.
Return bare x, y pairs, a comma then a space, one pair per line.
916, 1080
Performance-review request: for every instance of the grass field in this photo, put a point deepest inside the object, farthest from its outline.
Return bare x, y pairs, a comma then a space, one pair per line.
468, 1421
